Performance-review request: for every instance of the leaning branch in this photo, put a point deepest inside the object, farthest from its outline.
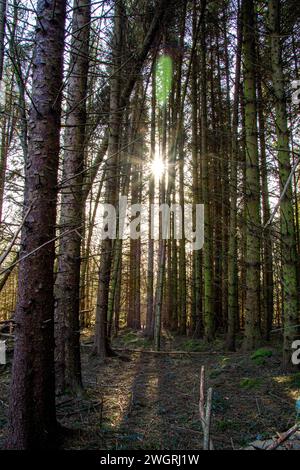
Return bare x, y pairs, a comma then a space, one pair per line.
66, 233
283, 193
11, 244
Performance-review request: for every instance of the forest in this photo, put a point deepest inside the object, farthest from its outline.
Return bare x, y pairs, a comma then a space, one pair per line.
149, 225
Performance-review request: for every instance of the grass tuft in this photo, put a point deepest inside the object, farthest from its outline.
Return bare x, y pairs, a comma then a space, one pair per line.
250, 383
260, 355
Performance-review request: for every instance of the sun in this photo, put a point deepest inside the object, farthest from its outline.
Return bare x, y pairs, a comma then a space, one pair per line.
158, 167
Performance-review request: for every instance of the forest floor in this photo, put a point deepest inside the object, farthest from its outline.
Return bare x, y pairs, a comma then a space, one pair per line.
149, 401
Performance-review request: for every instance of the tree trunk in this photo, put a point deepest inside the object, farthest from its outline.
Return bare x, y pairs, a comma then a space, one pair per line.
32, 422
134, 312
159, 292
233, 302
150, 277
287, 229
67, 285
268, 284
208, 310
117, 104
252, 196
196, 320
182, 254
101, 339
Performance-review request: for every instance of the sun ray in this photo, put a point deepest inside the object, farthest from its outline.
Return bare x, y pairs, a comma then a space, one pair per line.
158, 167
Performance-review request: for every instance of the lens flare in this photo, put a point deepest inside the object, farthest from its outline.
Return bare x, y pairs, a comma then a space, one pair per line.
158, 167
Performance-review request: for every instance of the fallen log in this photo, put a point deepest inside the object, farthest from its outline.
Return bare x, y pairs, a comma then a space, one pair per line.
151, 351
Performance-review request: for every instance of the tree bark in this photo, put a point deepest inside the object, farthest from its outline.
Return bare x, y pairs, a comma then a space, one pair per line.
150, 271
101, 339
233, 301
268, 283
287, 228
196, 318
32, 422
252, 196
67, 285
208, 311
117, 106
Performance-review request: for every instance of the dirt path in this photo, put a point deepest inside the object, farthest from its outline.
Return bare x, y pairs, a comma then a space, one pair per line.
150, 401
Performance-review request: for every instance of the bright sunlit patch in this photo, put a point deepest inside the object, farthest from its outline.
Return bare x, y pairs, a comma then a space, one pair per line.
158, 167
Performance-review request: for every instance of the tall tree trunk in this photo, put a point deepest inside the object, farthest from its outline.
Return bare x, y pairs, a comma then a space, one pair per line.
196, 318
101, 339
182, 255
208, 307
134, 313
268, 283
287, 229
85, 264
233, 302
117, 301
116, 111
125, 162
67, 285
216, 180
252, 196
225, 169
32, 422
150, 276
159, 292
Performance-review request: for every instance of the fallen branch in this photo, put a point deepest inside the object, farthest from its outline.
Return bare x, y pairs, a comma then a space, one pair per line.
151, 351
283, 437
88, 407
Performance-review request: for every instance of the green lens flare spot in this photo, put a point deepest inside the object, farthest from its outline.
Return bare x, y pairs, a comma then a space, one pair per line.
164, 72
